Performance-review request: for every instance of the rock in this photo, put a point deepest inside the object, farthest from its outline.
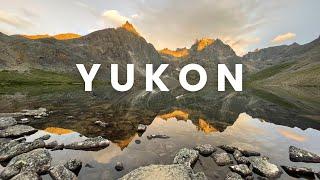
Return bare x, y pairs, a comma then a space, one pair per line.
119, 166
96, 143
7, 121
158, 136
233, 176
14, 148
58, 147
168, 172
205, 149
318, 174
73, 165
222, 159
38, 160
41, 112
17, 131
88, 165
27, 175
228, 148
186, 156
245, 152
137, 141
301, 155
237, 154
102, 124
248, 153
24, 121
141, 128
51, 144
262, 167
45, 137
62, 173
299, 172
243, 160
241, 169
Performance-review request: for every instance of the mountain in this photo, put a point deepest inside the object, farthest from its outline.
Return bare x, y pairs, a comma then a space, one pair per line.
64, 36
178, 53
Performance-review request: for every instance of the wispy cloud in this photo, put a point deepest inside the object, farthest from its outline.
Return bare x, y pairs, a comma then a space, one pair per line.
283, 37
14, 20
114, 18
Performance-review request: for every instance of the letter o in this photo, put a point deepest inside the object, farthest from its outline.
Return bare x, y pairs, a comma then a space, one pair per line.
183, 77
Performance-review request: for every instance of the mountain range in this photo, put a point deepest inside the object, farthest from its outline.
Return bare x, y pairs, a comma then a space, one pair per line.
287, 65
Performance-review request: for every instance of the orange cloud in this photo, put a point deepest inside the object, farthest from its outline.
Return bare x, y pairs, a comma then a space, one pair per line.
283, 37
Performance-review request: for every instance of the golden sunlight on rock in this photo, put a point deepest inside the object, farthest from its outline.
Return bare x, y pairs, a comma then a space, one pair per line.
59, 131
206, 127
177, 53
180, 115
64, 36
124, 143
129, 27
203, 43
291, 135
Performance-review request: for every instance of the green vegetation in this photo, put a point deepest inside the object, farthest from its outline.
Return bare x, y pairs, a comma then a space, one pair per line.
273, 98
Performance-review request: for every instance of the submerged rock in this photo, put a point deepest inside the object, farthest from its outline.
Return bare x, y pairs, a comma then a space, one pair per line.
14, 148
62, 173
262, 167
301, 155
38, 160
170, 172
73, 165
141, 128
205, 149
96, 143
186, 156
17, 131
7, 121
299, 172
233, 176
241, 169
222, 159
158, 136
119, 166
27, 175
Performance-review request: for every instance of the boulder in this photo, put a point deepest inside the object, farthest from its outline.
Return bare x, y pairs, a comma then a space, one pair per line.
7, 121
141, 128
27, 175
299, 172
14, 148
241, 169
51, 144
264, 168
233, 176
205, 149
170, 172
186, 156
301, 155
73, 165
119, 166
60, 172
17, 131
222, 159
38, 160
96, 143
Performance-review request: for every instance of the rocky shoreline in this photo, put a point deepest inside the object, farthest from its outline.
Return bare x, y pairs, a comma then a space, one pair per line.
30, 160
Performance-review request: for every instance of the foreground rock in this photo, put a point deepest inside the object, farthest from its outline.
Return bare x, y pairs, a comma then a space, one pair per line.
301, 155
222, 159
14, 148
141, 128
241, 169
246, 152
17, 131
96, 143
168, 172
299, 172
233, 176
205, 149
262, 167
187, 157
38, 160
6, 122
60, 172
73, 165
240, 158
27, 175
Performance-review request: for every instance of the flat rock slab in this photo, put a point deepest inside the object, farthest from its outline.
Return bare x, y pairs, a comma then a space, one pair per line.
7, 121
168, 172
241, 169
14, 148
299, 172
233, 176
17, 131
38, 160
27, 175
222, 159
89, 144
301, 155
187, 157
264, 168
205, 149
60, 172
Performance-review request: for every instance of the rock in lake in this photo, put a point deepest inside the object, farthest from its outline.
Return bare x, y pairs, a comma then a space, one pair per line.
38, 160
27, 175
301, 155
41, 112
96, 143
246, 152
233, 176
51, 144
14, 148
262, 167
186, 156
228, 148
241, 169
73, 165
62, 173
17, 131
119, 166
45, 137
205, 149
299, 172
237, 154
170, 172
158, 136
222, 159
7, 121
243, 160
24, 121
141, 128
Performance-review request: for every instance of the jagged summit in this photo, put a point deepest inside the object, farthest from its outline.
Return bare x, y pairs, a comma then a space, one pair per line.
203, 43
179, 52
129, 27
64, 36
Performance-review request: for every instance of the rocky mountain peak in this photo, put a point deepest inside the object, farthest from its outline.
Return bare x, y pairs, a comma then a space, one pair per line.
129, 27
203, 43
64, 36
179, 52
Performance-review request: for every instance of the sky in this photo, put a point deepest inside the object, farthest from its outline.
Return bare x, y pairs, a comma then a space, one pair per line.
243, 24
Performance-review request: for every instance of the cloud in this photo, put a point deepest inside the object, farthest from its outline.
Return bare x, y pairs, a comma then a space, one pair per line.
283, 37
114, 18
241, 44
14, 20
